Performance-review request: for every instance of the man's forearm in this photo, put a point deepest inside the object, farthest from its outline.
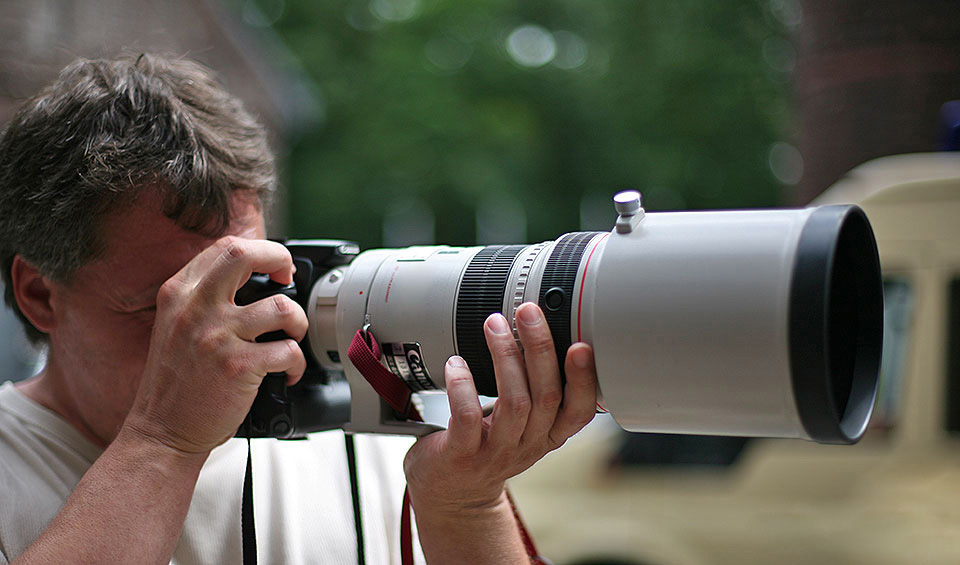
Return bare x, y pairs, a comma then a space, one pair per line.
128, 508
486, 535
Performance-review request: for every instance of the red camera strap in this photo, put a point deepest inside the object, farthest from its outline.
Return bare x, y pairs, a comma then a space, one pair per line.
364, 352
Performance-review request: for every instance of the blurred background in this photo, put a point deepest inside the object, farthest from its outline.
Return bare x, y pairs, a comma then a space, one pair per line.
400, 122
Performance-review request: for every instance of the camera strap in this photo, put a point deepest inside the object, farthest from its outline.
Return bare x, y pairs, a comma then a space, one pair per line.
248, 529
355, 496
364, 352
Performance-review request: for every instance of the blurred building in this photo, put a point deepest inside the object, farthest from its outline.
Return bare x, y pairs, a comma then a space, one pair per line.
18, 360
871, 76
39, 37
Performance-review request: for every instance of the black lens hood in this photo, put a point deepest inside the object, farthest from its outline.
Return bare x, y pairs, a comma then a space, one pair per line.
836, 324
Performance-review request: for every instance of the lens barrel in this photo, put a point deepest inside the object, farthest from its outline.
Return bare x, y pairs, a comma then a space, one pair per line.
481, 294
749, 323
484, 291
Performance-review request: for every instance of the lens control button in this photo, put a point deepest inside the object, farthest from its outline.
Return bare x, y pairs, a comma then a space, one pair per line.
553, 298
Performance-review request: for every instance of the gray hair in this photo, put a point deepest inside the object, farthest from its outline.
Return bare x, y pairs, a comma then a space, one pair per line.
103, 132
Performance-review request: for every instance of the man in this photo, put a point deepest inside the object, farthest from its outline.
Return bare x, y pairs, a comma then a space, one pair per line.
131, 210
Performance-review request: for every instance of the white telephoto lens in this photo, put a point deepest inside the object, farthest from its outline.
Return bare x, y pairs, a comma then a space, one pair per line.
747, 323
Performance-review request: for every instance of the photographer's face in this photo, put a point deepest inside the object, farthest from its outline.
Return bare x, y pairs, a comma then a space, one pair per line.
105, 313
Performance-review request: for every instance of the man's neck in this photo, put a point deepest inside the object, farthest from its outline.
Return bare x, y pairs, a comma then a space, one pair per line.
48, 390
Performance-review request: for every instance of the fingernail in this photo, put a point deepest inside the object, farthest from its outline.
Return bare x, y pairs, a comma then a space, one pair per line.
498, 324
529, 315
581, 359
456, 361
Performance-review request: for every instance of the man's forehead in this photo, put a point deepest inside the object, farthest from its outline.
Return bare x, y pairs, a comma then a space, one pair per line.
143, 247
142, 226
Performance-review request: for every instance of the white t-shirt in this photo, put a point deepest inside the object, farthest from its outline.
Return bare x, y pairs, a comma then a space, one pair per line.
302, 501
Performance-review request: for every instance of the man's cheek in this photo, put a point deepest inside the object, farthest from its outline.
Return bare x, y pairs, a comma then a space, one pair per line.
131, 341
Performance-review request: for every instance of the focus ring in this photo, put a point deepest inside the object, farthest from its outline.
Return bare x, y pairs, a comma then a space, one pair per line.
481, 294
556, 288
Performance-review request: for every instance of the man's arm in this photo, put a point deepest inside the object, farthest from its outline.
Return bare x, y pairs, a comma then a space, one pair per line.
202, 373
128, 508
456, 477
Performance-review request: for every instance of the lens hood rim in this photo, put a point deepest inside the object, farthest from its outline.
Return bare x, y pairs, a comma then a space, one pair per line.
813, 350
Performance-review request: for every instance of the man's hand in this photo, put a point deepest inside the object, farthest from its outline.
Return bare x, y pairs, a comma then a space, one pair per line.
202, 374
457, 476
204, 366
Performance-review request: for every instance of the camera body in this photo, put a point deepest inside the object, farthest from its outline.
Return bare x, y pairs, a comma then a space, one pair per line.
321, 399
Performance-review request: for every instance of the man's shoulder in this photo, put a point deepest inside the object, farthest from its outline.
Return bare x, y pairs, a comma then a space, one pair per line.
33, 435
41, 455
40, 464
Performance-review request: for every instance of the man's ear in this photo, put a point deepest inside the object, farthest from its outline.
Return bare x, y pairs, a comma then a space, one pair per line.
32, 291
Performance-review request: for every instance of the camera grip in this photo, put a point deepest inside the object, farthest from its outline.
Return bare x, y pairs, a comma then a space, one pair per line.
271, 414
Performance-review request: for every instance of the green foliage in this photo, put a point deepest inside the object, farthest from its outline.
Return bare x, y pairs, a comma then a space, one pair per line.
425, 102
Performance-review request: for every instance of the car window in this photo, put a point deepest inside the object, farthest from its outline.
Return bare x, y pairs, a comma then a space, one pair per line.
897, 307
953, 357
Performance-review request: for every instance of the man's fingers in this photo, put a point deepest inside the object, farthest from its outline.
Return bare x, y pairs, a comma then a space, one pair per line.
543, 371
191, 273
513, 395
277, 312
579, 396
283, 356
465, 432
224, 266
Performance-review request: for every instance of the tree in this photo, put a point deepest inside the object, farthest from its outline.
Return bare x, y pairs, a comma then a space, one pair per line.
502, 113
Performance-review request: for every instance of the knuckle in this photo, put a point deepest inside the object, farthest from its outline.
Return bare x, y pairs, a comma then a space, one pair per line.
293, 351
583, 417
517, 404
468, 415
168, 293
303, 323
555, 443
235, 366
458, 378
296, 314
297, 362
550, 398
203, 343
184, 322
282, 305
539, 345
506, 349
233, 247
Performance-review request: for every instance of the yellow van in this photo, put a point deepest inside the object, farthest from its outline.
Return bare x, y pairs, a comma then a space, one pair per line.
894, 498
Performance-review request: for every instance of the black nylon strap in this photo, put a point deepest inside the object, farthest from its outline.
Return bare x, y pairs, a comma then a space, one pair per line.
247, 525
355, 495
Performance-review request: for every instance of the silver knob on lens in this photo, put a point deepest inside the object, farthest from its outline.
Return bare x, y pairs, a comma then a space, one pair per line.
627, 203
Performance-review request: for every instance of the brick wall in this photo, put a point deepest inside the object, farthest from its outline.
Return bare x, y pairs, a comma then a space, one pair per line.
870, 80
